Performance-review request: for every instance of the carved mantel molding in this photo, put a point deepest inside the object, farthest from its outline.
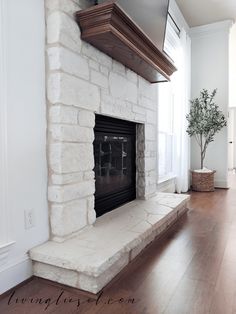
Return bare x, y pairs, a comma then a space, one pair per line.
107, 27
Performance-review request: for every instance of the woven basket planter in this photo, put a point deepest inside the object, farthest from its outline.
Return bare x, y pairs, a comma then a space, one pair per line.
203, 181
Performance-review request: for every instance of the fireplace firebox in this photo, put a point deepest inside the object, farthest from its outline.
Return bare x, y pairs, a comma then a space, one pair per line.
115, 163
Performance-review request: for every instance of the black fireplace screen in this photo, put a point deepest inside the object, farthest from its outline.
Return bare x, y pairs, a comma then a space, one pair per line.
115, 171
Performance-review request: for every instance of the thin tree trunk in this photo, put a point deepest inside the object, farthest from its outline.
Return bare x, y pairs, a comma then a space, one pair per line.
202, 158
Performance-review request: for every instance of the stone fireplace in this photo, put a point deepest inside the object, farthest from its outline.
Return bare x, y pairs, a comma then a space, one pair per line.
85, 86
82, 82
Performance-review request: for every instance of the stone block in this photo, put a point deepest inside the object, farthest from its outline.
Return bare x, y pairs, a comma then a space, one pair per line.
151, 117
139, 248
63, 114
139, 118
60, 58
89, 175
61, 179
118, 67
150, 146
150, 132
146, 103
67, 6
61, 275
104, 70
150, 190
91, 203
94, 65
150, 164
96, 283
147, 89
150, 180
96, 55
71, 157
138, 109
69, 192
122, 88
69, 90
86, 118
91, 210
131, 76
71, 133
99, 79
61, 29
68, 218
118, 108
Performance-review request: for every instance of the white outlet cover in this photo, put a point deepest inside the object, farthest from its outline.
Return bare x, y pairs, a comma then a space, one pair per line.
29, 219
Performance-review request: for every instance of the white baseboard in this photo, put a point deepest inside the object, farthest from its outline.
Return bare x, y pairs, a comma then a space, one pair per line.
15, 273
222, 184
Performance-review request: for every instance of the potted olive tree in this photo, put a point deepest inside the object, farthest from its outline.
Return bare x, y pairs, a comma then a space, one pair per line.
204, 121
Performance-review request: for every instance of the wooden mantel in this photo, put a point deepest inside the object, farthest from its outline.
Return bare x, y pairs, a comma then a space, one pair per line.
107, 27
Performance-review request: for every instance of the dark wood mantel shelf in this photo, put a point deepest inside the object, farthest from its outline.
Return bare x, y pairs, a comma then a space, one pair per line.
107, 27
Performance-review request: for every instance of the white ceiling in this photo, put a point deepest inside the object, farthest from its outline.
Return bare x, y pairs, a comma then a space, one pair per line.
200, 12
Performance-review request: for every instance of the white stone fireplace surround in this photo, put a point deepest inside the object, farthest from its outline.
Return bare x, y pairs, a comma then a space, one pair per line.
82, 81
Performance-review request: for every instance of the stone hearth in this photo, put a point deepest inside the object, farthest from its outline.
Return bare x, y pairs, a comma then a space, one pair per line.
90, 260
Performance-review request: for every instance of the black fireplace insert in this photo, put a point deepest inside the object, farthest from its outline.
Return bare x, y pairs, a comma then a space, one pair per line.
115, 163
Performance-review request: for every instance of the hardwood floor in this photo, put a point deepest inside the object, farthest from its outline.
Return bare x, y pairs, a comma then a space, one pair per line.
192, 269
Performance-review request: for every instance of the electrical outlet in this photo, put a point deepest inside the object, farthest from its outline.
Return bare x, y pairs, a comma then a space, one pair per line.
29, 219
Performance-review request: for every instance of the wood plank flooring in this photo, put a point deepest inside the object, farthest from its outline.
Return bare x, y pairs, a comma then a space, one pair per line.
192, 270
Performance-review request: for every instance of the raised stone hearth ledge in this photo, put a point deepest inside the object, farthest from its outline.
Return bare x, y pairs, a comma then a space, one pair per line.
91, 259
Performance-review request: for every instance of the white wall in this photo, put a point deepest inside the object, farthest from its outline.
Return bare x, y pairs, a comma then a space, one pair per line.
232, 137
23, 169
232, 91
210, 69
232, 66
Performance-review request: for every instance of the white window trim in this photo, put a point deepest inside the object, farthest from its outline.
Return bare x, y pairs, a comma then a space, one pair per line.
171, 174
172, 43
